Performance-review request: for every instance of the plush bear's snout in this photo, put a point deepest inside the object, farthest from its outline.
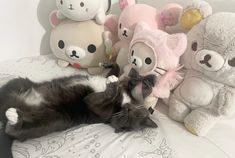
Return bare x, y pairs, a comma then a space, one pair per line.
136, 62
209, 60
75, 53
125, 33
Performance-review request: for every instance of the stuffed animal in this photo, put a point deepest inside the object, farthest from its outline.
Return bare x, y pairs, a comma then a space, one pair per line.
81, 44
153, 51
207, 93
192, 14
133, 13
83, 10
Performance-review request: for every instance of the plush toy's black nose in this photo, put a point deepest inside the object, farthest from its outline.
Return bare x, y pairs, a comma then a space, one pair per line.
206, 60
134, 62
74, 54
70, 6
125, 33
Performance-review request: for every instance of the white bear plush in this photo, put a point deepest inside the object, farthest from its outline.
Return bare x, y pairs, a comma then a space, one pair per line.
207, 92
83, 10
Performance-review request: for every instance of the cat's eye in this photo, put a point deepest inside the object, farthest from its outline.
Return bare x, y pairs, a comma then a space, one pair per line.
61, 2
194, 46
120, 26
61, 44
232, 62
148, 61
82, 4
132, 53
91, 48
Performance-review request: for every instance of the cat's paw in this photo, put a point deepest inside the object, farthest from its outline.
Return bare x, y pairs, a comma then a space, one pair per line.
12, 116
112, 79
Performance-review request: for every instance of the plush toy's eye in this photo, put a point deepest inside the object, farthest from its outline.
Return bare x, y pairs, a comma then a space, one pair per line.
232, 62
120, 25
61, 44
194, 46
148, 61
132, 53
61, 2
91, 48
82, 4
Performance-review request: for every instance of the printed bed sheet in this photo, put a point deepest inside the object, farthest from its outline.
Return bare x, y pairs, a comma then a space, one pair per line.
170, 140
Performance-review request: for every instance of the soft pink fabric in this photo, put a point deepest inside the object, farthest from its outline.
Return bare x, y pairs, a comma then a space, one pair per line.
167, 49
54, 21
133, 13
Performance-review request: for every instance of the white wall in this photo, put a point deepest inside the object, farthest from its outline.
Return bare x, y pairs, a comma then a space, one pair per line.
24, 26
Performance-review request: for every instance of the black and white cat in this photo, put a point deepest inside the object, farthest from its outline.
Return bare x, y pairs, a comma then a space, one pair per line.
30, 109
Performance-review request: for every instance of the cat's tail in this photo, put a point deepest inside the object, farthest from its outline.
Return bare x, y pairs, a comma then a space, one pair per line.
115, 69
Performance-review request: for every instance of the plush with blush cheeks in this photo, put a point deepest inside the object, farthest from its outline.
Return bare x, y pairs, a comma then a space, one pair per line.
133, 13
80, 10
80, 44
153, 51
207, 92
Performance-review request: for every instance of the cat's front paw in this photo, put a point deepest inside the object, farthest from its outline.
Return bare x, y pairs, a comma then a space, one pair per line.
12, 116
112, 79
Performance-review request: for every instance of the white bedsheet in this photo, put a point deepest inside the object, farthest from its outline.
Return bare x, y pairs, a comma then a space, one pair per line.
170, 140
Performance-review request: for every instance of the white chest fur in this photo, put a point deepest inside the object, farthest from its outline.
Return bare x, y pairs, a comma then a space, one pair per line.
97, 83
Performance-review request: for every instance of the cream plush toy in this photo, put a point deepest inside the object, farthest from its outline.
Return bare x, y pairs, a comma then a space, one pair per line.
83, 10
80, 44
207, 93
153, 51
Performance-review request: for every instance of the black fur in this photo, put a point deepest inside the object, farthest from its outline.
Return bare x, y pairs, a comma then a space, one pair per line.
67, 106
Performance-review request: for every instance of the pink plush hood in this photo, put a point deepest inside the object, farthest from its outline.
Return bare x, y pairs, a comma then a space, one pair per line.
167, 50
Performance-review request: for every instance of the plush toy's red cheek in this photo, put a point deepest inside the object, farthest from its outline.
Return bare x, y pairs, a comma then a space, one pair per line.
77, 66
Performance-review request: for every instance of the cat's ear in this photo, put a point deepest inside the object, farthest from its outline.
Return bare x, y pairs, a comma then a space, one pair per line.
149, 123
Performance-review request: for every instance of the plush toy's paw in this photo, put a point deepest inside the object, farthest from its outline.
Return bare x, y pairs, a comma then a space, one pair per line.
100, 17
63, 63
12, 116
200, 121
60, 15
226, 102
112, 79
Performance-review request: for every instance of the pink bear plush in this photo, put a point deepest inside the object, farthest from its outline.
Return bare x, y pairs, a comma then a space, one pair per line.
131, 14
153, 51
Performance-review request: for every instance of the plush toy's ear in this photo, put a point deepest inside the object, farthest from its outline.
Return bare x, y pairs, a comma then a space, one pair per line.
53, 18
194, 12
170, 14
141, 26
178, 43
124, 3
111, 23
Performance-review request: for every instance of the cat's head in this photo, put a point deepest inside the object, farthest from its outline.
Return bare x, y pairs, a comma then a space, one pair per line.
131, 117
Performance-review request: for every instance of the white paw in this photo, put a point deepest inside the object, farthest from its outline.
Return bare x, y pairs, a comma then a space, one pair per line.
112, 79
12, 116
